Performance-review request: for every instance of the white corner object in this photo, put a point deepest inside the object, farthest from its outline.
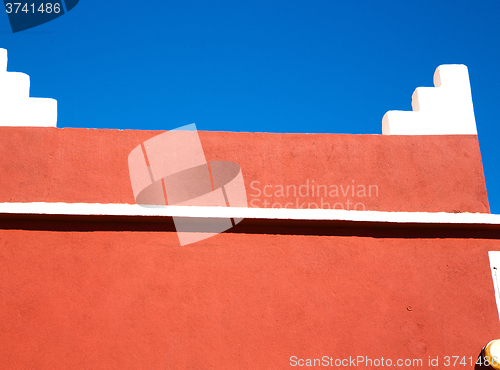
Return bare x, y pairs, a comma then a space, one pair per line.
445, 109
16, 106
495, 274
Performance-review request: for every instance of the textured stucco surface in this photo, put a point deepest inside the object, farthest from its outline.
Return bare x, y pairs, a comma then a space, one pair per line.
91, 293
137, 300
410, 173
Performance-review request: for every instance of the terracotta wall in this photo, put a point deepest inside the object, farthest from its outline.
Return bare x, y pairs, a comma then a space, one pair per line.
94, 294
137, 300
389, 173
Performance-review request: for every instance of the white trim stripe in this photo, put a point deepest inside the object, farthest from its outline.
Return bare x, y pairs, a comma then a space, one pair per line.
97, 209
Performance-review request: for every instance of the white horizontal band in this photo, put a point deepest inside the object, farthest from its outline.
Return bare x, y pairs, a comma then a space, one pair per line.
97, 209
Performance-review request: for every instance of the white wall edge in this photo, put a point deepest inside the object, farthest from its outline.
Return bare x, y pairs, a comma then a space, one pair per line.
97, 209
495, 274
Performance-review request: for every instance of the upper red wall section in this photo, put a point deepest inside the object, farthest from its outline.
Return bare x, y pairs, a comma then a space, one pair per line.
403, 173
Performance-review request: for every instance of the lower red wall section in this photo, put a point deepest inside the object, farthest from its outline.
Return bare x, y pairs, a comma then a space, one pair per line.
137, 300
371, 172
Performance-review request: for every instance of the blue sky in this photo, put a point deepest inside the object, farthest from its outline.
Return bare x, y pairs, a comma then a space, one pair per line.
260, 66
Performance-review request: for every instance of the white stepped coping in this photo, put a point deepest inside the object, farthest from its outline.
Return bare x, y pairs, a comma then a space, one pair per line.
134, 210
445, 109
17, 108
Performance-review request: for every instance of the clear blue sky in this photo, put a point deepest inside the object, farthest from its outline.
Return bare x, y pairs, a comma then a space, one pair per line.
269, 66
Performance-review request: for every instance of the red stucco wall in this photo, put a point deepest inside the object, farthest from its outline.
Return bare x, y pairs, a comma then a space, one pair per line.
101, 294
137, 300
410, 173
